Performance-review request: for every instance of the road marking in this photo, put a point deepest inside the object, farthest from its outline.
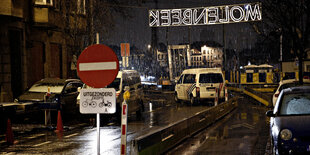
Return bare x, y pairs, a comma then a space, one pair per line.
93, 66
71, 135
164, 139
202, 119
110, 124
42, 144
35, 136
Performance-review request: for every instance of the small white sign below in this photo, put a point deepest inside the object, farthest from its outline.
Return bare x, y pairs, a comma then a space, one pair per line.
102, 100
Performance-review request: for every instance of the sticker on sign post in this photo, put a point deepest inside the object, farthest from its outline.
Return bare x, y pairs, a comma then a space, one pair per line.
101, 101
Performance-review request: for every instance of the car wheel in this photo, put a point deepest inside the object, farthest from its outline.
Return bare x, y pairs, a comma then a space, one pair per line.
176, 99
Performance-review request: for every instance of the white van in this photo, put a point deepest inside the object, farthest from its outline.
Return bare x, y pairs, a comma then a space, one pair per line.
198, 84
132, 79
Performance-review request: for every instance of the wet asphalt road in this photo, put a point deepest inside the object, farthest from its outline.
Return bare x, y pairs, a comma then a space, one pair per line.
244, 131
82, 138
237, 133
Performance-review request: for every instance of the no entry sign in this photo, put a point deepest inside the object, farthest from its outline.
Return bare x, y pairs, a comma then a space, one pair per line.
98, 66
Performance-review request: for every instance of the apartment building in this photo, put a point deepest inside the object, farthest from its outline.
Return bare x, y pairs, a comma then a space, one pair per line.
38, 40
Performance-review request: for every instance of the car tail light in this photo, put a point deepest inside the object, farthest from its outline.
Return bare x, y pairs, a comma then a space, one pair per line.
276, 95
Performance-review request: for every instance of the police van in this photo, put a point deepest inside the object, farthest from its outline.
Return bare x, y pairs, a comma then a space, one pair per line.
198, 84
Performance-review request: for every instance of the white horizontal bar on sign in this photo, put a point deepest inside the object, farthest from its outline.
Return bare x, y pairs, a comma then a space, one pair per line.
93, 66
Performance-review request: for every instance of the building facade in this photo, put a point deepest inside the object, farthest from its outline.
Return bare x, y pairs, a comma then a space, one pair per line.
39, 39
212, 56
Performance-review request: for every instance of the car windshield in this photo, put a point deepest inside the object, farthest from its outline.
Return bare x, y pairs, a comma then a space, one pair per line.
115, 84
43, 87
295, 104
288, 85
211, 78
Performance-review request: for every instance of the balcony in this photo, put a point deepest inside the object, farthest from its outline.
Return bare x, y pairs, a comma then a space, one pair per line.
51, 17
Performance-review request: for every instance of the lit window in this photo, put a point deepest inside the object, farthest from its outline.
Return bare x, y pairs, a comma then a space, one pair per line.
44, 2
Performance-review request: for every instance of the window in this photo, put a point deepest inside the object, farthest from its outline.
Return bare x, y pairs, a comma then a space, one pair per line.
115, 84
44, 2
81, 7
189, 78
180, 80
211, 78
295, 104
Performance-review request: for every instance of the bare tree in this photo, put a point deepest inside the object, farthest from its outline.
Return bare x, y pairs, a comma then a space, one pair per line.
291, 18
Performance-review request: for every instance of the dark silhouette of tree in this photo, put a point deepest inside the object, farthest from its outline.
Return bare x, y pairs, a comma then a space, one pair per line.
291, 19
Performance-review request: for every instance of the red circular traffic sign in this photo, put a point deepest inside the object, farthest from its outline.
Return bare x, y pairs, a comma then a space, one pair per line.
97, 66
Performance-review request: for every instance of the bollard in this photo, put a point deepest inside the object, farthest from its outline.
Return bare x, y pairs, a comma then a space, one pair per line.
151, 108
9, 137
226, 94
124, 128
126, 96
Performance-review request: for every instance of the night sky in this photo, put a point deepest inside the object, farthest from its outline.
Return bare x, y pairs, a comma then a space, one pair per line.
137, 32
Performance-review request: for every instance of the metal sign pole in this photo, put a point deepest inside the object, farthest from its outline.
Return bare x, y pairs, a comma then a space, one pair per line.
98, 114
98, 133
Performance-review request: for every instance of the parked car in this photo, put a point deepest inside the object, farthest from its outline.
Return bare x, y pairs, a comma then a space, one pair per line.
62, 92
199, 84
132, 79
290, 121
286, 84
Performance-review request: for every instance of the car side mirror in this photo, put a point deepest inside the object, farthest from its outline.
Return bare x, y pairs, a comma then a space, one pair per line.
270, 113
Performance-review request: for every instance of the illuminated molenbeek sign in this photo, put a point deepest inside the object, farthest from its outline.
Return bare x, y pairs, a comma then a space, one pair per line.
205, 15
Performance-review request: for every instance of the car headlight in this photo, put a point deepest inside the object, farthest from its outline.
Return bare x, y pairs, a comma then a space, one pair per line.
286, 134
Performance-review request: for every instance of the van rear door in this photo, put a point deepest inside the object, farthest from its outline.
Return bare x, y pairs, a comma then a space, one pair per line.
208, 82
